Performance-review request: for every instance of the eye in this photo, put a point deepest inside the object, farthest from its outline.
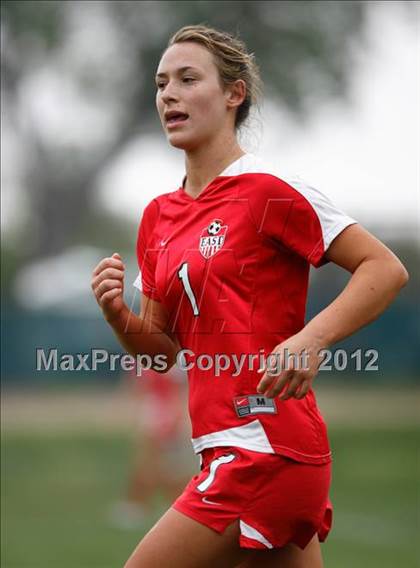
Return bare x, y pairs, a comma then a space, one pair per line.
160, 85
188, 79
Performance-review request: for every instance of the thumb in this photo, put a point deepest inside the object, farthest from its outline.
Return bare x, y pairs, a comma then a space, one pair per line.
116, 255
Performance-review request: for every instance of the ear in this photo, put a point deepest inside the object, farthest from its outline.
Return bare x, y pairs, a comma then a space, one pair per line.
236, 93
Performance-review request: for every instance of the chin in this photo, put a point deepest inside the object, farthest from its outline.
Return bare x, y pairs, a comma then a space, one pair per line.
182, 142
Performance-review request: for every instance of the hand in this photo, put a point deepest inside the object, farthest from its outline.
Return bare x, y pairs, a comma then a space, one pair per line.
108, 286
291, 368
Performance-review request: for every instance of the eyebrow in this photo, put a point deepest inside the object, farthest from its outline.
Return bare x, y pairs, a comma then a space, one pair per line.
179, 70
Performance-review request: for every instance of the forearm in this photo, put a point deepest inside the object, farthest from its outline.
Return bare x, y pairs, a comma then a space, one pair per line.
140, 338
372, 287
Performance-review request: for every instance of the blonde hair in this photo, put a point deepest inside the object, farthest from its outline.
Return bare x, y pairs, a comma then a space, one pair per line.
232, 61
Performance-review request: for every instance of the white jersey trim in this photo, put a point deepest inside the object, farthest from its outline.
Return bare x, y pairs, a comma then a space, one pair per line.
250, 436
246, 164
250, 532
137, 282
332, 220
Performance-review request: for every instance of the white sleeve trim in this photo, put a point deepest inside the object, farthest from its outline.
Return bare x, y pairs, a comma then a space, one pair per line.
137, 282
332, 220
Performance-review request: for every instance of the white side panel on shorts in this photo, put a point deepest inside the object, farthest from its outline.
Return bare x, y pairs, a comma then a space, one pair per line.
250, 532
250, 436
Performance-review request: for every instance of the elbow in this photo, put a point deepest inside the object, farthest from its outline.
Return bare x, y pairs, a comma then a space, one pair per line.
166, 361
163, 367
399, 274
392, 271
405, 277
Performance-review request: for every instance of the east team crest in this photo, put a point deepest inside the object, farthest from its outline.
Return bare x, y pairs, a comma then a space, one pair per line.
212, 238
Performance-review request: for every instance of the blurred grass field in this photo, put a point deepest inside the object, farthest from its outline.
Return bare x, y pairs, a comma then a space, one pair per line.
58, 483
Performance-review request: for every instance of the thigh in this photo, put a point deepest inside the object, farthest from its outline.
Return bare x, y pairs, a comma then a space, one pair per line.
290, 556
181, 542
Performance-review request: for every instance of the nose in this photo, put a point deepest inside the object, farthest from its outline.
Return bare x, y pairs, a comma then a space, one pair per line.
169, 93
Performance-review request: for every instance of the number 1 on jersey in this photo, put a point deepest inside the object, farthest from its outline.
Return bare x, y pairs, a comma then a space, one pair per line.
183, 275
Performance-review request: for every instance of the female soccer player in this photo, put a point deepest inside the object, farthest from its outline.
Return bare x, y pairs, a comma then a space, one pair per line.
224, 263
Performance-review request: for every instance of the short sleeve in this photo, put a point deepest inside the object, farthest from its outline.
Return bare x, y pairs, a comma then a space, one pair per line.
147, 254
302, 218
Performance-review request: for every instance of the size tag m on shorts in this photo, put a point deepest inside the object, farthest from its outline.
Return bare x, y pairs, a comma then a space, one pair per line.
254, 404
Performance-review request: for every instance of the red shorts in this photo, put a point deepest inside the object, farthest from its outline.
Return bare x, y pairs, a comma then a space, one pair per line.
276, 499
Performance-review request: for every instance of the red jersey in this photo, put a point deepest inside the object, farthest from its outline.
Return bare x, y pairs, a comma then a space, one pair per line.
231, 266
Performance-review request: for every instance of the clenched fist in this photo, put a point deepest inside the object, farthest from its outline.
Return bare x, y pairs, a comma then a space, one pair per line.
108, 286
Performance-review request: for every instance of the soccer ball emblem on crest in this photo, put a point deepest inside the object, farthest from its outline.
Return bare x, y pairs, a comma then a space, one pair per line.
212, 238
214, 227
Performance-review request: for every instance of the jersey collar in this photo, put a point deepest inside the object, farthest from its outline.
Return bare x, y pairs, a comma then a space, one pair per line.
239, 166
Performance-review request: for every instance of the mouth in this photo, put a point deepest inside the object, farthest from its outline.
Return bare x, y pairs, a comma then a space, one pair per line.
174, 119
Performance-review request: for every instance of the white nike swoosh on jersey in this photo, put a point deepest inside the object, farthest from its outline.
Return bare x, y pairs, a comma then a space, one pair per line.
241, 401
205, 500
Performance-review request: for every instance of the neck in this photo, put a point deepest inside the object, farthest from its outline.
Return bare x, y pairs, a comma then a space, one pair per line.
205, 163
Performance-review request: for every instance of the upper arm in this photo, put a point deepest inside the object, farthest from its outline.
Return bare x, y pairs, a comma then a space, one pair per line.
355, 245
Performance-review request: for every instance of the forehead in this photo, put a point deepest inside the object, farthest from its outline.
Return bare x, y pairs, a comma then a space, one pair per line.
185, 54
